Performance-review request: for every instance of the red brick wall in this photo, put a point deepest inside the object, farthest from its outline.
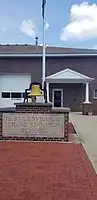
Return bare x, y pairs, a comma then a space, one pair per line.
28, 109
0, 124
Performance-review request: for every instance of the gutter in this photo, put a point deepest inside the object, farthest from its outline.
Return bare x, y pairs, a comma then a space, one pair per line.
47, 55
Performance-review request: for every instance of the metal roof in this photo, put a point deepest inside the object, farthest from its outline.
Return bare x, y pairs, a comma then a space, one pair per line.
33, 49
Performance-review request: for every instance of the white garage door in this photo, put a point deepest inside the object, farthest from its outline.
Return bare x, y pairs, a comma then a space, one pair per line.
12, 88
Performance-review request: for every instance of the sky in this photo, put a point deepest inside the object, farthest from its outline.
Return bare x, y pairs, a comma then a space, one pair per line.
71, 23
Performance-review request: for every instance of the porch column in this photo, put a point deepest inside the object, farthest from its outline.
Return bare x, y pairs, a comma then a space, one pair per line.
87, 94
47, 87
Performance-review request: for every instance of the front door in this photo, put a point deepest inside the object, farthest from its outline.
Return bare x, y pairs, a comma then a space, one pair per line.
58, 97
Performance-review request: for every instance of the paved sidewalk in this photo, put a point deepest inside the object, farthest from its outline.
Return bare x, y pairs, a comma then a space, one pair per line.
86, 128
46, 171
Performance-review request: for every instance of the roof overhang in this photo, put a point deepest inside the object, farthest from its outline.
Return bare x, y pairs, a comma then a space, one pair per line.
47, 55
69, 80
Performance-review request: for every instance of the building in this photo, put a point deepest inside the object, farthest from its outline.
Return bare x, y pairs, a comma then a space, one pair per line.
71, 74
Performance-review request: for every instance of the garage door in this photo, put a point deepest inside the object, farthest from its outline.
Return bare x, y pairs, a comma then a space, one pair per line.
12, 88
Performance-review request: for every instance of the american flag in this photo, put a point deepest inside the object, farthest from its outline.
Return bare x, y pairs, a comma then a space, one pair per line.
43, 6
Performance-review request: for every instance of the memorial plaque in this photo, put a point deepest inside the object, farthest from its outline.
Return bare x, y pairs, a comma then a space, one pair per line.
33, 125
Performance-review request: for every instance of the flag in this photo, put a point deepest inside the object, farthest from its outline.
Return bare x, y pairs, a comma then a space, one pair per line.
43, 6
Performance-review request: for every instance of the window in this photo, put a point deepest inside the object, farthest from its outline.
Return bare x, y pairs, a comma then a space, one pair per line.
27, 93
95, 94
16, 95
6, 95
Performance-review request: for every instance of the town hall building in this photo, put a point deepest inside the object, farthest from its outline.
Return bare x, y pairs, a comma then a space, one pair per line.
71, 75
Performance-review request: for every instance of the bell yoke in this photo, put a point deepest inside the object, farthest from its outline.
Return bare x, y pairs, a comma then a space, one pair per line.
35, 91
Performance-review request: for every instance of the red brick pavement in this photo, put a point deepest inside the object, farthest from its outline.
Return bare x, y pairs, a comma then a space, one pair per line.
71, 129
45, 171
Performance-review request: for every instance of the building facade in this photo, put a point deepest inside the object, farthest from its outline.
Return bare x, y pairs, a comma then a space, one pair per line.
71, 75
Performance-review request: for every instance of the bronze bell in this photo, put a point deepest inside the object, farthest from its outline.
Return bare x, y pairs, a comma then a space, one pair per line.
35, 91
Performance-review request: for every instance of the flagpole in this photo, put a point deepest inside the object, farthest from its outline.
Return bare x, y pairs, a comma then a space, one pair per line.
43, 59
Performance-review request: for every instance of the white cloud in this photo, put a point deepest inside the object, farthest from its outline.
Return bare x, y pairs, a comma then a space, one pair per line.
83, 22
28, 28
46, 45
94, 47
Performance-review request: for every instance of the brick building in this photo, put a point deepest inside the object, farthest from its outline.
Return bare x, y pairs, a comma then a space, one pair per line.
71, 74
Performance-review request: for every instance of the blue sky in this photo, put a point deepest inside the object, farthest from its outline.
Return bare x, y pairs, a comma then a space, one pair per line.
72, 23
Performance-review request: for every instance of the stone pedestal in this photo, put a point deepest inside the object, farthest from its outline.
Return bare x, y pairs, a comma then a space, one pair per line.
87, 108
35, 121
66, 112
63, 110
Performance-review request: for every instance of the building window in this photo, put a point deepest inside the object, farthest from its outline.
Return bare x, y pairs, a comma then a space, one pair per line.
95, 94
6, 95
28, 94
16, 95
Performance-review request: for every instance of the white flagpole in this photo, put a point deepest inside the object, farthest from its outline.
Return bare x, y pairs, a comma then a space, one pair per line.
43, 59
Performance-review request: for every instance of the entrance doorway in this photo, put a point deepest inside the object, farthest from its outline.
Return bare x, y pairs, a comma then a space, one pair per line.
57, 97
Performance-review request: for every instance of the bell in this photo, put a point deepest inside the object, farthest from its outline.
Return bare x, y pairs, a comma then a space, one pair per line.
35, 91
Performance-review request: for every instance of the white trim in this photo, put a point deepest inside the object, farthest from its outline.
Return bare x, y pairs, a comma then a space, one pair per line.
14, 73
59, 89
47, 86
79, 77
73, 81
69, 70
47, 54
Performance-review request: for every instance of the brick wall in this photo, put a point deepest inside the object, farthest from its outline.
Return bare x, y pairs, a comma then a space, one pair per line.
0, 124
31, 108
66, 124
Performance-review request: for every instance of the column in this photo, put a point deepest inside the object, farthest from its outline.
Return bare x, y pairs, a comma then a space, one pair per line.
47, 87
87, 94
87, 105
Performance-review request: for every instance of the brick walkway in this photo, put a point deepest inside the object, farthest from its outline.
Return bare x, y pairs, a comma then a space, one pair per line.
71, 129
45, 171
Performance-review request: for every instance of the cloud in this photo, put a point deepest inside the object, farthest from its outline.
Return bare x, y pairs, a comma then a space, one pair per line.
46, 45
94, 47
28, 28
83, 23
